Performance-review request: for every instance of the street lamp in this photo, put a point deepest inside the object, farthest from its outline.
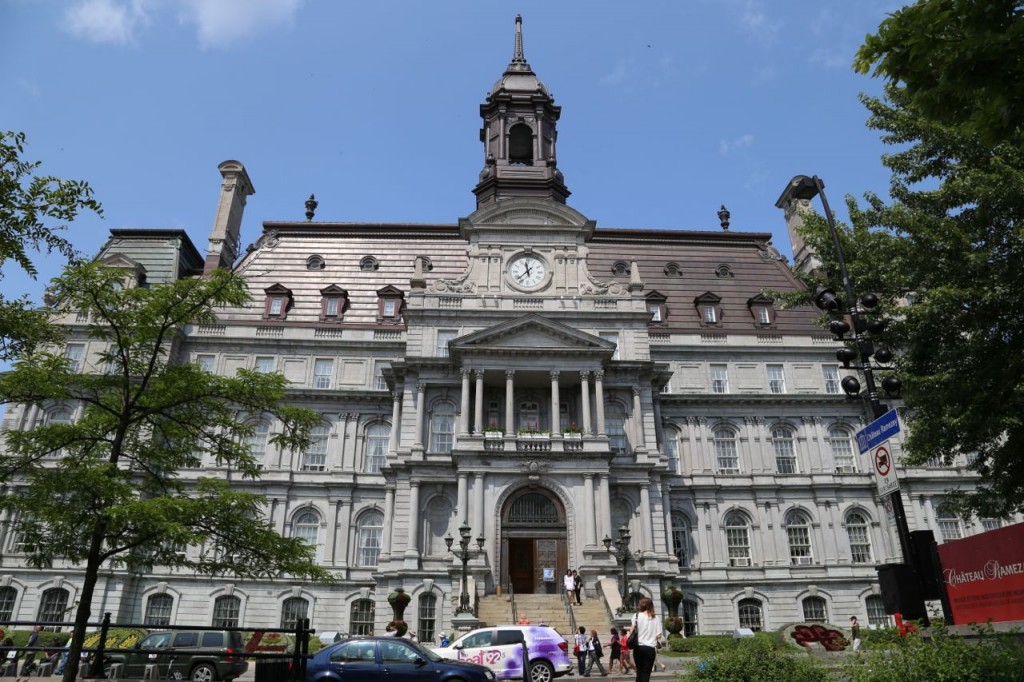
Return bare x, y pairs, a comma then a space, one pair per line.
465, 533
864, 333
622, 556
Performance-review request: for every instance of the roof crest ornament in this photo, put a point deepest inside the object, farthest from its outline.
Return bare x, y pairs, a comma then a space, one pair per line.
518, 62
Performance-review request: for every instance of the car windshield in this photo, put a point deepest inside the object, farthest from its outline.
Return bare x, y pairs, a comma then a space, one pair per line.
424, 652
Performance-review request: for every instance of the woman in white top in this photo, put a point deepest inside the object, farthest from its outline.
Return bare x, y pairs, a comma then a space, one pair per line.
648, 633
569, 583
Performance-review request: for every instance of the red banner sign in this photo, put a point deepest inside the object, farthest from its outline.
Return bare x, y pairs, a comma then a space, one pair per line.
984, 575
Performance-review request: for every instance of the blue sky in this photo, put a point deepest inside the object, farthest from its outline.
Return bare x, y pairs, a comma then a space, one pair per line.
669, 108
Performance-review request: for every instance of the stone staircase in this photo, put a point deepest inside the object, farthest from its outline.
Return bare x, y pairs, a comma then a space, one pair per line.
548, 609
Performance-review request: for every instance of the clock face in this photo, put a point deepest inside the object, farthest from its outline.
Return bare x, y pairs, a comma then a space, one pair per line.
527, 271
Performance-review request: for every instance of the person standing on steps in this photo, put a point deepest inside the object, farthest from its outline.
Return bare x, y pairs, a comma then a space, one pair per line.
596, 653
577, 587
569, 583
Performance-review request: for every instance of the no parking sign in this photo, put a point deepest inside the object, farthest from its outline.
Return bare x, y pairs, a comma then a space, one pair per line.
873, 439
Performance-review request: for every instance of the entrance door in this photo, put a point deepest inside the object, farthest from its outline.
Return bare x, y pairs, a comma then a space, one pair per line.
520, 564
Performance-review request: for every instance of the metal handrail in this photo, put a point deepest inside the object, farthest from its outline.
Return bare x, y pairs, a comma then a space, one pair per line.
512, 600
569, 611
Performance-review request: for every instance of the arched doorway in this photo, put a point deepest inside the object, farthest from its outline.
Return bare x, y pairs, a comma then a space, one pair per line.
533, 541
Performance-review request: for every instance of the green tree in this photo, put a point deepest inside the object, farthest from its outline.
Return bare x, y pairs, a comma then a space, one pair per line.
757, 659
34, 210
961, 62
950, 243
121, 486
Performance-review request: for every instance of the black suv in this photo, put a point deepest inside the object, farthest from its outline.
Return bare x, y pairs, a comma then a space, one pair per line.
196, 655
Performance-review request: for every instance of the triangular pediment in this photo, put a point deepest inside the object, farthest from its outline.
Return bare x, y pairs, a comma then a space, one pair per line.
532, 333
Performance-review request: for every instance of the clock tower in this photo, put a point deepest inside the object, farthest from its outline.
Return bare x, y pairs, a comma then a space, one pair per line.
519, 135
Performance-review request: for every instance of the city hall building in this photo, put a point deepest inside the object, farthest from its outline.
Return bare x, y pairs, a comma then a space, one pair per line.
534, 376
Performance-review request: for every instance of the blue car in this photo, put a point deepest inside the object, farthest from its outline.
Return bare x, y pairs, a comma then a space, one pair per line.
388, 658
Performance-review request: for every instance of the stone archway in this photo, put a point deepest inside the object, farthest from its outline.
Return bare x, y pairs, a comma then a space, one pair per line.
533, 541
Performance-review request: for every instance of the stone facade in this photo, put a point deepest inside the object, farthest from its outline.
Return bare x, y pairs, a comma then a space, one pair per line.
545, 382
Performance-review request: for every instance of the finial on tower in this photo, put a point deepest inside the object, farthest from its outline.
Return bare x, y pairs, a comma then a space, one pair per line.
723, 217
518, 58
311, 204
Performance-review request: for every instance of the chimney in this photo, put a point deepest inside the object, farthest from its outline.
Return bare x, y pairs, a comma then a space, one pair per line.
804, 258
227, 224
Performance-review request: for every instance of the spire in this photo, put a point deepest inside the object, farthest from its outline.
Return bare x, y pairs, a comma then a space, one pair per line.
518, 60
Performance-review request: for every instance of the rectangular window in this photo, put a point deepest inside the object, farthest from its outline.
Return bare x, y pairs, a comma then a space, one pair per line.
991, 524
389, 308
427, 618
264, 364
776, 379
709, 314
205, 362
612, 337
443, 337
655, 310
379, 382
442, 432
276, 306
74, 353
314, 458
719, 379
831, 373
860, 545
799, 544
323, 369
763, 315
331, 307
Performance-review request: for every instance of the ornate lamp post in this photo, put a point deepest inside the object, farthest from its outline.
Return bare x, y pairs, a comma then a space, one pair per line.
465, 534
622, 557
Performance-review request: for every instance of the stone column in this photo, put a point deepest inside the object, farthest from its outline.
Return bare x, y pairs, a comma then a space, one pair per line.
462, 513
556, 414
510, 402
638, 420
396, 423
666, 504
478, 418
645, 518
599, 398
589, 514
412, 549
344, 528
464, 416
478, 504
421, 390
585, 393
604, 507
389, 519
330, 550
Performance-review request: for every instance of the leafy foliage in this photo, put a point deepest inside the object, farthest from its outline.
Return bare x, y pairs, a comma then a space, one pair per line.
755, 659
960, 62
34, 210
706, 645
120, 486
943, 657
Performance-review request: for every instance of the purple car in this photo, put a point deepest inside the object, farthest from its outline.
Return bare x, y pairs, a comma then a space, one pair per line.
503, 648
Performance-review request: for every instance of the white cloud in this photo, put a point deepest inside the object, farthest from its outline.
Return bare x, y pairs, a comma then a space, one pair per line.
756, 21
218, 23
618, 74
726, 147
106, 21
225, 22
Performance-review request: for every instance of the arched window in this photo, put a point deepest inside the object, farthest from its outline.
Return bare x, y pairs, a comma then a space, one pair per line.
258, 439
949, 524
315, 263
369, 536
427, 621
876, 611
306, 527
53, 607
620, 268
60, 416
158, 609
378, 437
785, 451
737, 539
681, 539
841, 442
360, 620
314, 457
368, 264
689, 617
520, 145
798, 533
814, 610
442, 427
436, 520
670, 443
225, 611
750, 614
615, 428
860, 541
8, 596
726, 454
293, 610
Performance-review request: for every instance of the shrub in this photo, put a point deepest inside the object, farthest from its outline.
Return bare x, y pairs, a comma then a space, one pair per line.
705, 645
943, 657
758, 658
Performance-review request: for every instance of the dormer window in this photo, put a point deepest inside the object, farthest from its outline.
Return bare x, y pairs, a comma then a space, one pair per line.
762, 309
656, 307
315, 263
620, 268
389, 303
709, 307
333, 301
277, 302
368, 264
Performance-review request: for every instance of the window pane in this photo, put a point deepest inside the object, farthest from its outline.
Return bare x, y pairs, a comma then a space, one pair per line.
361, 617
681, 540
7, 597
842, 449
831, 379
257, 440
737, 539
427, 622
690, 618
322, 371
725, 451
73, 352
860, 543
814, 610
876, 611
314, 458
378, 438
293, 610
53, 607
750, 614
776, 379
370, 534
205, 362
785, 451
225, 612
307, 528
442, 428
158, 609
798, 533
264, 365
719, 379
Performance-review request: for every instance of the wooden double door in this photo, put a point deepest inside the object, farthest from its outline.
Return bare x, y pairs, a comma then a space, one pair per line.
533, 539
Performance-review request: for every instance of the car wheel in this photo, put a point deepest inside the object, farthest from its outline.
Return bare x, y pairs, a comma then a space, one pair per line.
541, 671
204, 672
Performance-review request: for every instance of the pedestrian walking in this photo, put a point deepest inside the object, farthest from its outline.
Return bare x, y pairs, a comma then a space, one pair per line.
577, 587
580, 649
615, 656
596, 653
648, 631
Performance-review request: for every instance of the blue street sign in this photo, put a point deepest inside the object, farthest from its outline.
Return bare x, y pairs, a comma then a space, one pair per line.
878, 431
